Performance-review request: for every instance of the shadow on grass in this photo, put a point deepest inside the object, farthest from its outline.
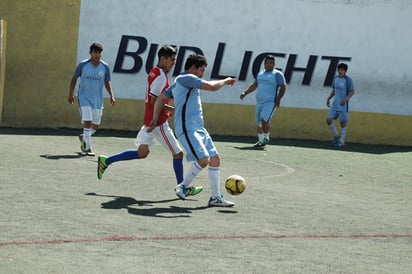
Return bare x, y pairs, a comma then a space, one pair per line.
120, 202
248, 141
67, 156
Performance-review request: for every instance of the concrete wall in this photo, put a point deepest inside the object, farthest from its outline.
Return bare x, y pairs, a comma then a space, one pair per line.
47, 38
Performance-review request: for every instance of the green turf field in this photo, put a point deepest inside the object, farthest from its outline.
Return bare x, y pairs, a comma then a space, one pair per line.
307, 208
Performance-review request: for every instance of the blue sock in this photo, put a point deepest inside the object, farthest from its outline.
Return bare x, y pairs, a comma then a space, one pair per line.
126, 155
178, 168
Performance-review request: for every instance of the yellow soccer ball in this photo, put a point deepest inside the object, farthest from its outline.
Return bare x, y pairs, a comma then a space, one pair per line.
235, 184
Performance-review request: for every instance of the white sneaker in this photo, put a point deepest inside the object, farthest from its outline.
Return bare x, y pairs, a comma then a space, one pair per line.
220, 201
180, 191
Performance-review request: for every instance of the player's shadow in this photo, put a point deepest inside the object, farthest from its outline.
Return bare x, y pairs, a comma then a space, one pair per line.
119, 202
250, 148
66, 156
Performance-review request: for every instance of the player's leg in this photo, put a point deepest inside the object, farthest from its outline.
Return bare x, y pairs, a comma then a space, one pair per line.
216, 197
196, 152
268, 110
259, 124
143, 142
343, 119
86, 114
332, 115
167, 139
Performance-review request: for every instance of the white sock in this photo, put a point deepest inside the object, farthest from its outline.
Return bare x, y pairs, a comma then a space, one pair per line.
260, 136
87, 132
214, 181
193, 171
343, 135
266, 135
334, 130
93, 131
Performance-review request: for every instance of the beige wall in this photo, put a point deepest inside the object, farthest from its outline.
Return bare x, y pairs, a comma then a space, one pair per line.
41, 57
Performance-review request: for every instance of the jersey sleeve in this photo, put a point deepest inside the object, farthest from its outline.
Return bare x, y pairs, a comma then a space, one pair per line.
107, 76
78, 71
280, 79
190, 81
158, 84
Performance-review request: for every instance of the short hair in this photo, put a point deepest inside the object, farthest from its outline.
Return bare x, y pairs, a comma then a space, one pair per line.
195, 59
167, 51
270, 57
343, 66
96, 47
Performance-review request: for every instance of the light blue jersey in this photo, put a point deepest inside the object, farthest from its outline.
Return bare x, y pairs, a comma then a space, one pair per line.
188, 114
92, 80
342, 87
268, 84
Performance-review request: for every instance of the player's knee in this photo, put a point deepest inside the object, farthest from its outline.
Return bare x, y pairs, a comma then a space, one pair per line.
214, 161
178, 155
143, 151
204, 162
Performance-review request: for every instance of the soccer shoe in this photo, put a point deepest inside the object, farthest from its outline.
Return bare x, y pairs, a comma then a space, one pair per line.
101, 166
220, 201
89, 152
193, 190
82, 143
266, 141
335, 140
340, 144
180, 191
259, 143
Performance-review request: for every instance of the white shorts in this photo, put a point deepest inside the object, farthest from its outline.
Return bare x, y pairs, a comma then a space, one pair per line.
163, 134
91, 114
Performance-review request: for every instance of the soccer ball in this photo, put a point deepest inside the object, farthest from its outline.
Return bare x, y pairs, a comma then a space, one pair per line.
235, 184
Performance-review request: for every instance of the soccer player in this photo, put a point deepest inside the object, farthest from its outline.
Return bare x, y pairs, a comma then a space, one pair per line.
93, 73
189, 125
157, 82
268, 97
342, 90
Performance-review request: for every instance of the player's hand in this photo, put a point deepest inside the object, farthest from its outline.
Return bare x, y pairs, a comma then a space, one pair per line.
230, 81
70, 99
328, 103
343, 102
151, 125
112, 101
277, 102
242, 95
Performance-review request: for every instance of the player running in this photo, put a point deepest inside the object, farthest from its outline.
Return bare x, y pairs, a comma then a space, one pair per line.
268, 97
158, 81
189, 125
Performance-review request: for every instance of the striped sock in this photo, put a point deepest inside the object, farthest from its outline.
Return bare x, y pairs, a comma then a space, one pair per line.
193, 171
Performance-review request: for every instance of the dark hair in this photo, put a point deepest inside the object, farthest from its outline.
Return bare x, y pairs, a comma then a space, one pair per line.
96, 47
195, 59
343, 66
167, 51
270, 57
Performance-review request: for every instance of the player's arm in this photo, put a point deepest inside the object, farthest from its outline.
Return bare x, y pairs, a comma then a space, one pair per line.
158, 106
282, 91
71, 90
332, 93
344, 101
217, 84
166, 107
109, 89
250, 89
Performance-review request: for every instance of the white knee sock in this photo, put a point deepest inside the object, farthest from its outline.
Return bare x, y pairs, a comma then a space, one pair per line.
87, 132
214, 181
193, 171
343, 135
334, 130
